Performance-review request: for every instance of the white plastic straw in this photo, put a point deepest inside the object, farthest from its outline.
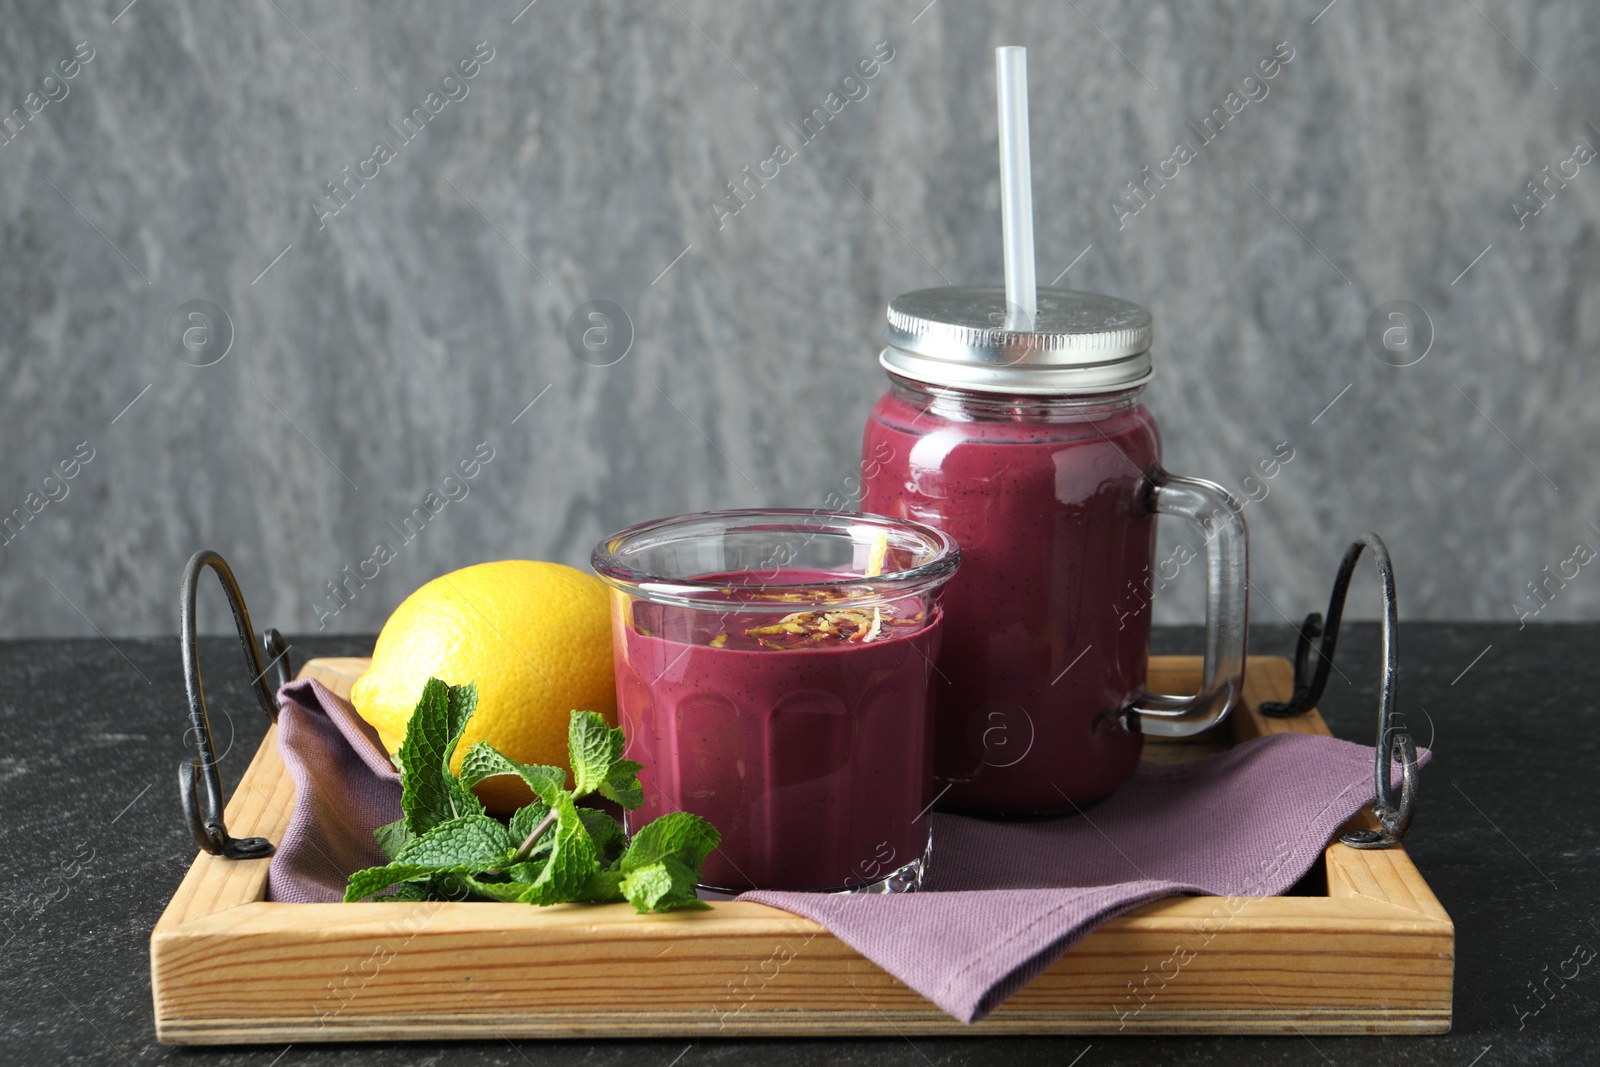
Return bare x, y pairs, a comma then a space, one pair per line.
1016, 185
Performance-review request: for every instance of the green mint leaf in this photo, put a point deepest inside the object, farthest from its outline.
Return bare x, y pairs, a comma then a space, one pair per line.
463, 701
572, 860
509, 892
595, 750
410, 891
608, 838
593, 747
471, 843
461, 846
678, 835
365, 883
622, 787
664, 885
429, 793
423, 795
522, 824
390, 836
604, 887
526, 818
528, 871
483, 760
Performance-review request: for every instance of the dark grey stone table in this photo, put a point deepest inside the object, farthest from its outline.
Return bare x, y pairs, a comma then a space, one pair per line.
91, 848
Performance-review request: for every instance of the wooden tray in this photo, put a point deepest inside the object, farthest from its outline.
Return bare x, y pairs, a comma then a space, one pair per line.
1368, 951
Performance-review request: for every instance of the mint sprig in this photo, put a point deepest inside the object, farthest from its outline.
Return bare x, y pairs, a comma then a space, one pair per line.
553, 851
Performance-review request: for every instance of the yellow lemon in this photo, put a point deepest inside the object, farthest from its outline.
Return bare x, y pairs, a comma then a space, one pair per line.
535, 638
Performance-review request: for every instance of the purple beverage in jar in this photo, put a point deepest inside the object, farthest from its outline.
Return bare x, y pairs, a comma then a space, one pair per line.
1031, 448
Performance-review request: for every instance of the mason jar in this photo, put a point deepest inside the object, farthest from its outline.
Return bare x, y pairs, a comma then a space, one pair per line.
1032, 449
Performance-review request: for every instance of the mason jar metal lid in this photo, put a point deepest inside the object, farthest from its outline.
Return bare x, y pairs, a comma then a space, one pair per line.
959, 336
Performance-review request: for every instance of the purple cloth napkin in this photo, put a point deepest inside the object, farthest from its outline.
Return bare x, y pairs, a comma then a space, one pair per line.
1003, 900
344, 788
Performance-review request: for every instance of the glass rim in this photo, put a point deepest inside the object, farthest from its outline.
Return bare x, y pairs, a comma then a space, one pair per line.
689, 592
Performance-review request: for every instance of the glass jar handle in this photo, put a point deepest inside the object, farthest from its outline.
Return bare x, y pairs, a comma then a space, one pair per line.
1221, 517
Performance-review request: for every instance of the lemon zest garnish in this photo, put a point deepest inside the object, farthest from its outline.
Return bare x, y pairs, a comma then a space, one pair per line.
852, 624
877, 624
880, 551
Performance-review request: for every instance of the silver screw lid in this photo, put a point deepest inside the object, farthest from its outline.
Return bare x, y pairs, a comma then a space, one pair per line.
959, 336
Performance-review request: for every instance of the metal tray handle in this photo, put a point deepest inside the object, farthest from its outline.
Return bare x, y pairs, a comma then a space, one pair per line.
200, 772
1394, 805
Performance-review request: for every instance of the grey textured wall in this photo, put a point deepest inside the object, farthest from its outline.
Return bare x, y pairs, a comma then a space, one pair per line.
374, 349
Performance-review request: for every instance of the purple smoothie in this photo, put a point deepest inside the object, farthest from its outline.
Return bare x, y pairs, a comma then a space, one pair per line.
809, 751
1047, 622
